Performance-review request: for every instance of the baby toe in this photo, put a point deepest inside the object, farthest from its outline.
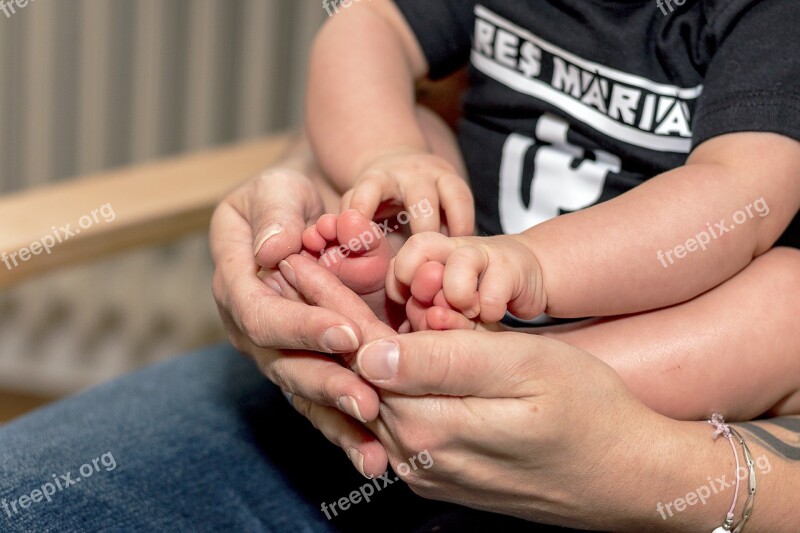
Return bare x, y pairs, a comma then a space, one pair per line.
326, 225
427, 281
358, 232
442, 319
312, 240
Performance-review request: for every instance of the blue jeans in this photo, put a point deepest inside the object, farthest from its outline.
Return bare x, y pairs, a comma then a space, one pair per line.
199, 443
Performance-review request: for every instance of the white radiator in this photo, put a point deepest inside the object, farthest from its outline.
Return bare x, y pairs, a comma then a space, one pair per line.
92, 84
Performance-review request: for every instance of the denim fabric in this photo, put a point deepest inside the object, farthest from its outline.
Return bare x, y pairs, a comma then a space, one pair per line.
199, 443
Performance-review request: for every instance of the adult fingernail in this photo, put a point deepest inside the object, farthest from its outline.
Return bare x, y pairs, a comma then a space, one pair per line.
339, 339
378, 361
269, 231
266, 277
288, 273
358, 461
348, 405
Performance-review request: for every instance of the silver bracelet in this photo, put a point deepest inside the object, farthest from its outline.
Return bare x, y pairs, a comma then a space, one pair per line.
751, 483
724, 430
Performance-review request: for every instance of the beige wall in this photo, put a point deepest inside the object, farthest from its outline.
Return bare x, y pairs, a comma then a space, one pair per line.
89, 84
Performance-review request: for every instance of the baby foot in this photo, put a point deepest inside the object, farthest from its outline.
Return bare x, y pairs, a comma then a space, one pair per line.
427, 308
353, 248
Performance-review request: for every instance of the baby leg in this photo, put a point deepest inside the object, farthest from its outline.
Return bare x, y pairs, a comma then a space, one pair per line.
733, 350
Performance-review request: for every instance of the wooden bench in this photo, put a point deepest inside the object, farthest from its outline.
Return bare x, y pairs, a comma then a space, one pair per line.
153, 204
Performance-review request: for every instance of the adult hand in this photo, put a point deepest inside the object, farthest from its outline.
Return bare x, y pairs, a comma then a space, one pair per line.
528, 426
319, 287
258, 226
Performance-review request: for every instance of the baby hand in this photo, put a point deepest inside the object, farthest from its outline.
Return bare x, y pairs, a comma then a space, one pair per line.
415, 179
482, 277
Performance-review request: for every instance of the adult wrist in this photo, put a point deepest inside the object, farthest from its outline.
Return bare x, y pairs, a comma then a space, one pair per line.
685, 481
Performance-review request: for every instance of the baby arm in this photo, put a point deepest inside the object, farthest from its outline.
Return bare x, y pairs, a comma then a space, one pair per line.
605, 260
362, 121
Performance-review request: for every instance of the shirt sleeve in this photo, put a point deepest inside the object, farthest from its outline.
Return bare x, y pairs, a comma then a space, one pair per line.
443, 29
752, 82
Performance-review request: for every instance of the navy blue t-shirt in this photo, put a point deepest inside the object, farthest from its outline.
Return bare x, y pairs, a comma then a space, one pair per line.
573, 102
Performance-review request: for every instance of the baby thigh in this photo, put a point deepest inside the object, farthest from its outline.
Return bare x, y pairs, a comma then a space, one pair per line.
733, 350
